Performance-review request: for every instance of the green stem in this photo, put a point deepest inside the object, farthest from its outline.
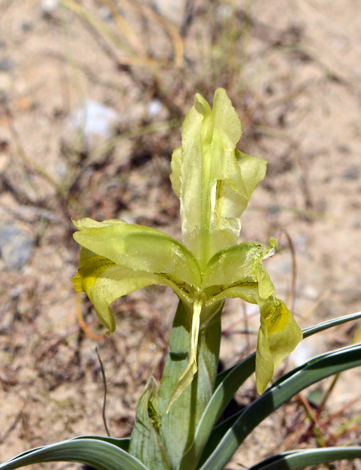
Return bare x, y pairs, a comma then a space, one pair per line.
179, 425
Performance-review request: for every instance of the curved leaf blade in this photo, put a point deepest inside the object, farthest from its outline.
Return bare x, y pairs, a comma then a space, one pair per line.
228, 436
330, 324
122, 443
307, 332
303, 458
227, 384
94, 452
219, 401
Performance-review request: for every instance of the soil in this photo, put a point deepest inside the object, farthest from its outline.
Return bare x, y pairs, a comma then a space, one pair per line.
292, 70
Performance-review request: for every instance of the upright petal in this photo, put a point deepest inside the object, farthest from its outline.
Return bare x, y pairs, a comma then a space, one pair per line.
253, 170
207, 176
176, 175
139, 248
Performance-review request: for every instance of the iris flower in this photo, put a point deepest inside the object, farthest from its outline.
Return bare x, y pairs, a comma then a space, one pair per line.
214, 182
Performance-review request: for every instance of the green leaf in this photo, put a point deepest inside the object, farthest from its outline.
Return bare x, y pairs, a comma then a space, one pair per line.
94, 452
227, 384
330, 324
228, 436
303, 458
146, 443
121, 443
217, 404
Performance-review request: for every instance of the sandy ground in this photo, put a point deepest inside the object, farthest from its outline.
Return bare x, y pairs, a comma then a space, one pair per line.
293, 71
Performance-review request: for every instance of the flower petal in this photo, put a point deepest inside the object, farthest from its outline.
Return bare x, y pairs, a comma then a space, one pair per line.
103, 281
138, 248
176, 165
253, 170
208, 176
239, 264
278, 336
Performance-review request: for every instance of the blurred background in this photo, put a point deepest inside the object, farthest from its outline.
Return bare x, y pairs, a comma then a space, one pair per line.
92, 97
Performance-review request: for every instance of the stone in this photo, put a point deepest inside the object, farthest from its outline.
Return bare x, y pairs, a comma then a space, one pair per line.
49, 6
94, 118
16, 246
6, 65
154, 108
93, 123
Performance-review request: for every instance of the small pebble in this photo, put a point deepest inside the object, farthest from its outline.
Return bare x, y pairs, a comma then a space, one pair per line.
16, 246
225, 11
6, 65
94, 119
154, 107
26, 27
49, 6
105, 13
273, 210
352, 173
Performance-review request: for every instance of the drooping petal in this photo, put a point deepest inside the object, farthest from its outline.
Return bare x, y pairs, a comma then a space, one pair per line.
278, 336
191, 368
91, 268
207, 176
138, 248
103, 281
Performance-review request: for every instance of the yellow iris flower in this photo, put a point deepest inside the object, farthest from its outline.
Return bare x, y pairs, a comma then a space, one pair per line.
214, 182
